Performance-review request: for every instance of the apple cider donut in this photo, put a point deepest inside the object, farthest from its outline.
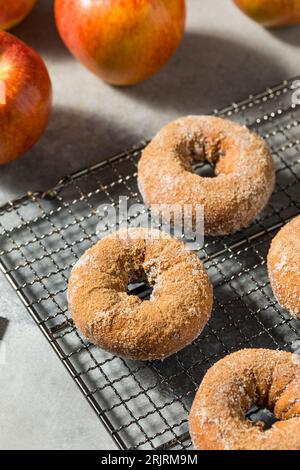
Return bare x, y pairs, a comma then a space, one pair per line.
284, 266
177, 311
244, 171
247, 378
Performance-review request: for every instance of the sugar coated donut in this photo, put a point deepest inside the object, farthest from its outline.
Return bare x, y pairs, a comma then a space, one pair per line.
244, 171
242, 380
284, 266
179, 307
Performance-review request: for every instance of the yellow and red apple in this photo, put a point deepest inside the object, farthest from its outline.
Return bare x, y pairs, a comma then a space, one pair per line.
271, 13
122, 41
13, 12
25, 97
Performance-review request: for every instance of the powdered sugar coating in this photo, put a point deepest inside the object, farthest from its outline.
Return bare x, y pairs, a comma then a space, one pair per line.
245, 174
284, 266
175, 314
240, 381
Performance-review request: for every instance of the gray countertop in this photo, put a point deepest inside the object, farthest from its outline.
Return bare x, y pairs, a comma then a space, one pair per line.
223, 58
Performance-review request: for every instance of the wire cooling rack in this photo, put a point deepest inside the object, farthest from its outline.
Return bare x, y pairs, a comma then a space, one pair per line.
146, 405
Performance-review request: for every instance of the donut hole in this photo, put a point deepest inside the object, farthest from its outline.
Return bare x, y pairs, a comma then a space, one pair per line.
262, 417
206, 169
138, 283
203, 156
141, 289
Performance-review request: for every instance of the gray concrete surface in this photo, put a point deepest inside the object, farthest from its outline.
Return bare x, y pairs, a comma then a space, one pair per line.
223, 58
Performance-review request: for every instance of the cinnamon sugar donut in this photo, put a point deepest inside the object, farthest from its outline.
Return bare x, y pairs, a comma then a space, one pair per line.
284, 266
244, 170
251, 377
179, 307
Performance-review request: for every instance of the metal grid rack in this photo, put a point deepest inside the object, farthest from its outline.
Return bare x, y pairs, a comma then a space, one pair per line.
146, 405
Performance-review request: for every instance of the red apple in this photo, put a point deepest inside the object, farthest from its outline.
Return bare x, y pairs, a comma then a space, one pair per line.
122, 41
25, 97
271, 13
13, 12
